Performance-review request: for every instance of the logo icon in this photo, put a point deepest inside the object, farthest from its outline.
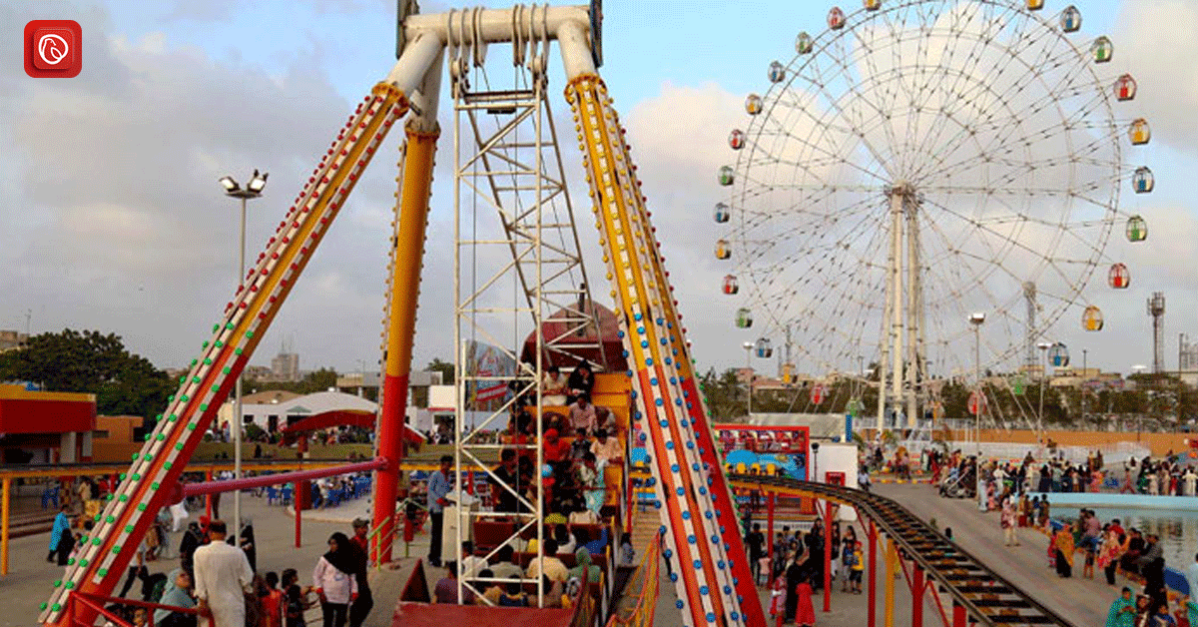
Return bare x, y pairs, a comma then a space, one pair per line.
53, 48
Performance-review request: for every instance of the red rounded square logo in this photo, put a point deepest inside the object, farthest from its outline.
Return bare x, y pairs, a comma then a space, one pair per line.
53, 48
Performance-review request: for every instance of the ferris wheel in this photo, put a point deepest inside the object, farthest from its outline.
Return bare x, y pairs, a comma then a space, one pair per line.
921, 160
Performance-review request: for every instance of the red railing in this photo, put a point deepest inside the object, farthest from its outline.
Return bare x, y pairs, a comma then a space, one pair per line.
98, 604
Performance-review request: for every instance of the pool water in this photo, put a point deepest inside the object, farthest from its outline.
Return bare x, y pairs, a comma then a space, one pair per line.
1178, 530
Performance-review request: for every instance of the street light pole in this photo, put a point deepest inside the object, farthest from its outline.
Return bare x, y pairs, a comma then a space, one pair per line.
1043, 346
253, 189
976, 319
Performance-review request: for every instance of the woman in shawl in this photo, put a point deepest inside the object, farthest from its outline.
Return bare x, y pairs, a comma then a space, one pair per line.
334, 581
1065, 545
1122, 612
585, 571
177, 594
591, 481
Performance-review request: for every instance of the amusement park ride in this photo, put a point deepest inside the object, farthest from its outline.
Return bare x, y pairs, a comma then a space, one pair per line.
702, 540
506, 157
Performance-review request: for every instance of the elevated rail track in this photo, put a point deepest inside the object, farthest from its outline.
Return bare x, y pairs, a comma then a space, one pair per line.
976, 591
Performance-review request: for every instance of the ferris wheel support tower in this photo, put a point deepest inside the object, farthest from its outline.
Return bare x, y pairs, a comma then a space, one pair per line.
903, 318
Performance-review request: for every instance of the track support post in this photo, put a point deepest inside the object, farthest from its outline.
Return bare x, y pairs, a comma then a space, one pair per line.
917, 586
959, 616
872, 538
891, 573
829, 511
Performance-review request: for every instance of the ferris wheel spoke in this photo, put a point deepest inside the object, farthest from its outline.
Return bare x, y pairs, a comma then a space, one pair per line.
946, 68
842, 242
833, 158
1004, 139
821, 84
1031, 75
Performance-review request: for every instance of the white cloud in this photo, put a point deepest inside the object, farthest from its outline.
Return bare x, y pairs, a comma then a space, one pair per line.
113, 218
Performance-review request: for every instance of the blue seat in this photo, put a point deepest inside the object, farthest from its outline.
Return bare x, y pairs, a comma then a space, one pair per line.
50, 495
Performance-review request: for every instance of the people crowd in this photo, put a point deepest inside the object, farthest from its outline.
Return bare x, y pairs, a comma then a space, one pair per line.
1085, 539
794, 569
578, 441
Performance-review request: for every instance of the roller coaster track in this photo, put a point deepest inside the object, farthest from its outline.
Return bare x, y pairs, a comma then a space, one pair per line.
987, 597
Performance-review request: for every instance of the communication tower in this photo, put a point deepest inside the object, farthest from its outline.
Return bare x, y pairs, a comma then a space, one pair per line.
1029, 336
1156, 309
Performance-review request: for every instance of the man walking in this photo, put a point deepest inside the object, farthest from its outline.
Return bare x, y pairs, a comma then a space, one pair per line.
359, 545
755, 542
222, 578
438, 488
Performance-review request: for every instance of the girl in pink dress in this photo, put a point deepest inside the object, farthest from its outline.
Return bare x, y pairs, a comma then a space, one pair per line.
778, 596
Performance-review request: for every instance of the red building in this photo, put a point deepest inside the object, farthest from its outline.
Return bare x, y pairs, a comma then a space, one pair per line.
45, 427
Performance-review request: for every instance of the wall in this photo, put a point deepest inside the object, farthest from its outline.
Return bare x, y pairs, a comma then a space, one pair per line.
838, 458
117, 443
1158, 443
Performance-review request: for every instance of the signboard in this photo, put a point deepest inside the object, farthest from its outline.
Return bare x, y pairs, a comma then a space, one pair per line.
484, 361
751, 448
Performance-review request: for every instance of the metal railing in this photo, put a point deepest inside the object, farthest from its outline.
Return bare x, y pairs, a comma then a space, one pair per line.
646, 579
98, 604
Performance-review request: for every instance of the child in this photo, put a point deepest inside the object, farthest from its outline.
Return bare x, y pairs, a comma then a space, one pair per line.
295, 599
513, 596
627, 553
272, 603
778, 596
295, 606
846, 558
805, 612
858, 568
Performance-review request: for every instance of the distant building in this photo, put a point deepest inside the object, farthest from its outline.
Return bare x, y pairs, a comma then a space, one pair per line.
366, 384
285, 367
11, 339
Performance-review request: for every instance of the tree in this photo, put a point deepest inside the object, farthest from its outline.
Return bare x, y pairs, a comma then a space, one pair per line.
444, 367
93, 363
725, 395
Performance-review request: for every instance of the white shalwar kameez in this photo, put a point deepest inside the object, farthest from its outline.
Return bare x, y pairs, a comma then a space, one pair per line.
222, 576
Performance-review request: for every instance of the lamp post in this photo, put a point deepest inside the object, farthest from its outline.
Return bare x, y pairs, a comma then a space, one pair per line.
976, 320
253, 189
748, 346
815, 462
1043, 346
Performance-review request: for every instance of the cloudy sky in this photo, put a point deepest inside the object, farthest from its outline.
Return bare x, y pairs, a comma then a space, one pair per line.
112, 218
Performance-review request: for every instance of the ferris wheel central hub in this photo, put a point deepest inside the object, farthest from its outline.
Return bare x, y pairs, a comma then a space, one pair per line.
902, 190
